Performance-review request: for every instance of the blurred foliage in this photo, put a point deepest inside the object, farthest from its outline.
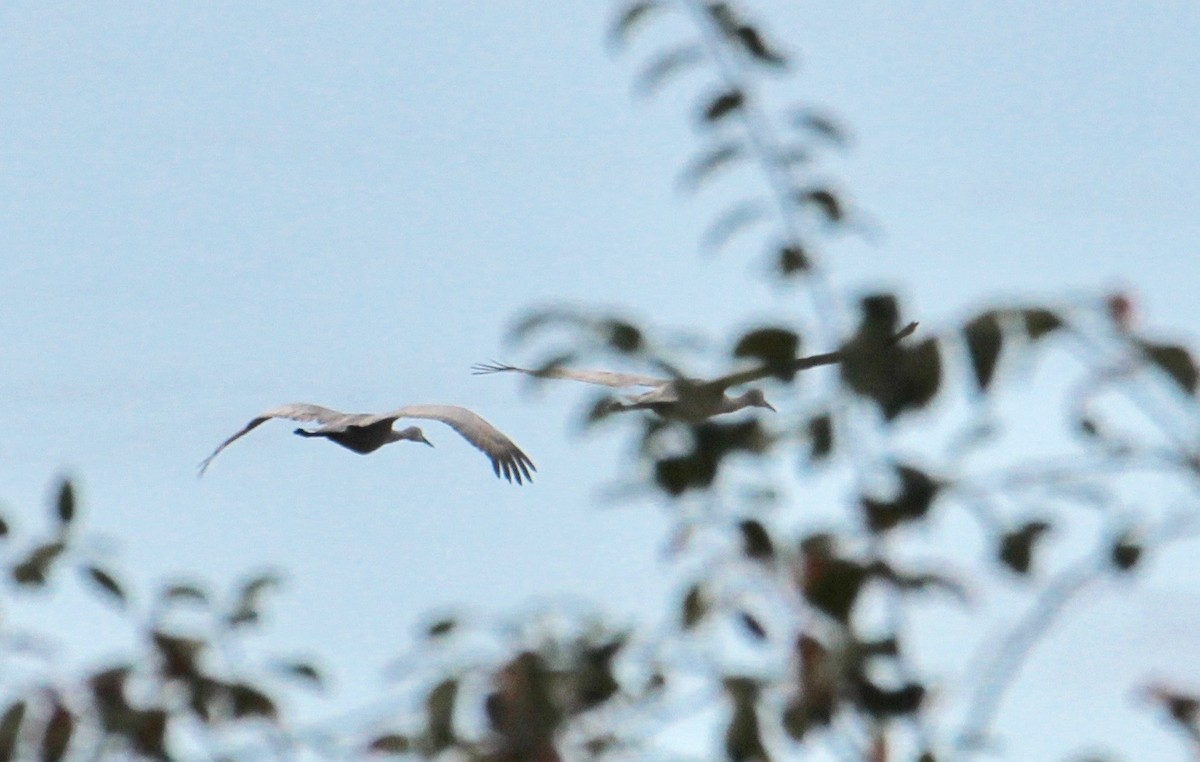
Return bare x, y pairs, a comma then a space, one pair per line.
896, 426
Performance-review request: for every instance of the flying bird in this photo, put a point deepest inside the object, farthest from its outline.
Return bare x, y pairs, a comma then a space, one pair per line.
367, 432
684, 399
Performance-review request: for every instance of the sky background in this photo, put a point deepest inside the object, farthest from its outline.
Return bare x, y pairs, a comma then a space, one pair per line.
210, 209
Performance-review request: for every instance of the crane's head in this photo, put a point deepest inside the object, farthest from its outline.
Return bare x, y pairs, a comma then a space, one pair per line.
756, 398
412, 434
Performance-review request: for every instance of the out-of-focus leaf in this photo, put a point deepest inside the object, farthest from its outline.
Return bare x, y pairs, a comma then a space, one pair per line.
65, 504
731, 222
830, 583
1016, 547
695, 606
148, 733
752, 42
248, 701
723, 16
3, 528
1040, 322
303, 671
984, 341
775, 348
594, 682
622, 336
752, 625
756, 542
708, 163
107, 583
439, 714
917, 492
57, 736
825, 200
390, 743
629, 19
441, 627
820, 436
743, 737
662, 68
1126, 552
34, 569
538, 320
881, 702
179, 655
10, 731
246, 610
183, 591
793, 260
722, 105
1175, 361
108, 690
824, 126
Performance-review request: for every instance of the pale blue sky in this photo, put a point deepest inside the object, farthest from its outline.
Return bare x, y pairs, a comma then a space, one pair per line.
210, 209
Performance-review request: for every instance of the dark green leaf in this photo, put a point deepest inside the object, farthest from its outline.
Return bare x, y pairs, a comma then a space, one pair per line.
148, 733
1175, 361
179, 655
723, 105
752, 625
1126, 552
661, 69
708, 163
820, 437
743, 738
106, 582
731, 222
1039, 322
184, 592
622, 336
390, 743
831, 584
441, 627
249, 701
629, 19
825, 201
881, 702
752, 42
57, 736
756, 543
65, 505
3, 528
695, 607
1016, 547
792, 260
774, 347
10, 731
34, 569
824, 126
984, 340
917, 492
303, 671
439, 712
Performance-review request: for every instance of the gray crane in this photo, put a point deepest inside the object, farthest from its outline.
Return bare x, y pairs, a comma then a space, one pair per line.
684, 399
367, 432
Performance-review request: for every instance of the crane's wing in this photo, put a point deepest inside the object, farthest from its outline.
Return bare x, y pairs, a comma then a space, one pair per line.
298, 411
797, 365
507, 459
600, 377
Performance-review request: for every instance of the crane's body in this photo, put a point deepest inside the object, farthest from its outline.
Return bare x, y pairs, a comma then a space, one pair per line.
365, 433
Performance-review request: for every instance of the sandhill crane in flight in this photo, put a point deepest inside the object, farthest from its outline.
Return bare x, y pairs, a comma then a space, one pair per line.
367, 432
683, 399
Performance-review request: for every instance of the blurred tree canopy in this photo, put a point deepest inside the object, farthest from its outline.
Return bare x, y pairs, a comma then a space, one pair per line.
813, 548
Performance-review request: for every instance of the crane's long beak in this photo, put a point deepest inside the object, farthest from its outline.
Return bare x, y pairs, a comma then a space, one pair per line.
426, 441
769, 406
